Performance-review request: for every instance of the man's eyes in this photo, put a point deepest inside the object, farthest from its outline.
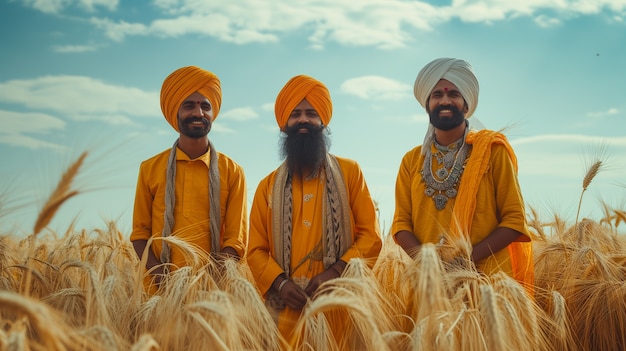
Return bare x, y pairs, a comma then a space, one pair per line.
296, 114
192, 105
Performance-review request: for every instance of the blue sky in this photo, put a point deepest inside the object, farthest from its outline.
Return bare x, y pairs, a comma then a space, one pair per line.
85, 75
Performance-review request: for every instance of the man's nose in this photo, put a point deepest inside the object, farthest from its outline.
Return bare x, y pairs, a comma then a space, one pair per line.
302, 118
198, 110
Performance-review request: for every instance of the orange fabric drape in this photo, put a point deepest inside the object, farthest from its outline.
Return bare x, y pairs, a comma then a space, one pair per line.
520, 251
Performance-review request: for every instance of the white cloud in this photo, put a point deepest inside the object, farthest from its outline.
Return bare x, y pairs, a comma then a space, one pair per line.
57, 6
239, 114
16, 126
386, 24
268, 107
544, 21
80, 98
569, 156
219, 128
376, 88
74, 48
17, 122
567, 140
381, 23
600, 114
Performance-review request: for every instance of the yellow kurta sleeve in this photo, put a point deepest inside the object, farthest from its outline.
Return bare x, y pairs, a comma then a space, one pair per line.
234, 207
407, 187
509, 201
142, 213
367, 240
263, 266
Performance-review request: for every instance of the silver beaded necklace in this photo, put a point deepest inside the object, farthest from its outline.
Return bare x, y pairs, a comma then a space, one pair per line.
442, 185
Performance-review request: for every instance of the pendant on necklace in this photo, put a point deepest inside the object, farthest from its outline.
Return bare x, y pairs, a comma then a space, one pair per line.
442, 173
440, 201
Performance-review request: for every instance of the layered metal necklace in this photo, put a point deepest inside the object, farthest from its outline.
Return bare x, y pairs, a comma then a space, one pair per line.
442, 185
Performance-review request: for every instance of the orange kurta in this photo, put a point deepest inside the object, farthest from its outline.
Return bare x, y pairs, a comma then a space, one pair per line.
191, 210
499, 203
307, 231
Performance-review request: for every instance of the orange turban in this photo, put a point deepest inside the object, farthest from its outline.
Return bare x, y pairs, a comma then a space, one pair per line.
184, 82
297, 89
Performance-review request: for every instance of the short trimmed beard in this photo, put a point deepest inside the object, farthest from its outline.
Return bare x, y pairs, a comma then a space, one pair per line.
446, 123
192, 131
305, 152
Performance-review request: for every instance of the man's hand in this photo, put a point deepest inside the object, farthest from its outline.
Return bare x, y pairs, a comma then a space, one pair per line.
292, 295
158, 273
228, 252
319, 279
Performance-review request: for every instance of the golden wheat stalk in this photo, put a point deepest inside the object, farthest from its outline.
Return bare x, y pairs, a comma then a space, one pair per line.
62, 193
593, 170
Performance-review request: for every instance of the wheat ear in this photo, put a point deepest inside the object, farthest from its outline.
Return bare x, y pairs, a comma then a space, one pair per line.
61, 194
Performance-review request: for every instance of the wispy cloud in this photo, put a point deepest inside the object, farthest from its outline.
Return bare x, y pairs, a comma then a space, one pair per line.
386, 24
376, 88
600, 114
544, 21
17, 128
572, 139
57, 6
80, 98
239, 114
74, 48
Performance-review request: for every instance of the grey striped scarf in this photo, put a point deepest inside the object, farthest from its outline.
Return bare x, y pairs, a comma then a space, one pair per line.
336, 228
170, 199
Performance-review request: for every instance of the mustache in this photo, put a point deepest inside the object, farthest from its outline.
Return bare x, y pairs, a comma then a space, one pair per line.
309, 127
452, 108
196, 119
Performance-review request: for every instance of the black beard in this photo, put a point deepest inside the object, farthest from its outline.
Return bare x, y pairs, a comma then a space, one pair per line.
446, 123
305, 152
192, 131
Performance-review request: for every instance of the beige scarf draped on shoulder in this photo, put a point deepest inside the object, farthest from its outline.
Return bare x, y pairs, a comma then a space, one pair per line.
337, 230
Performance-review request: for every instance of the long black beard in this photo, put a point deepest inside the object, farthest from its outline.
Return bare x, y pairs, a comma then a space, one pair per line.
185, 127
446, 123
304, 152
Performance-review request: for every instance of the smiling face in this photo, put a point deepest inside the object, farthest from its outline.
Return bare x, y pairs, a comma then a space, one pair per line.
446, 106
195, 116
304, 115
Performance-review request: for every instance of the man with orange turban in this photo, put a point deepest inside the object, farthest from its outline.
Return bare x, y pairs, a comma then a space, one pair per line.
461, 182
190, 198
312, 214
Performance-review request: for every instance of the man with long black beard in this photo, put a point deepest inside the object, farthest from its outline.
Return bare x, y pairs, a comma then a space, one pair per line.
461, 183
310, 216
304, 147
191, 191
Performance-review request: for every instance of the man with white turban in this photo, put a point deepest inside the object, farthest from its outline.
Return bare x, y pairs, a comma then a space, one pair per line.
190, 193
312, 214
461, 183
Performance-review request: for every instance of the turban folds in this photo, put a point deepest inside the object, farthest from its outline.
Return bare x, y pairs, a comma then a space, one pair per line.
297, 89
184, 82
456, 71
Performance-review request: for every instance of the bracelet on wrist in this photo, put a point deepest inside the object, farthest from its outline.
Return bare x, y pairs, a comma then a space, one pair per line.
336, 269
281, 285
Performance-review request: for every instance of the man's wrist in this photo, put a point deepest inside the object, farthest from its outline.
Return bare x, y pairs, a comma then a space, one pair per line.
339, 267
280, 280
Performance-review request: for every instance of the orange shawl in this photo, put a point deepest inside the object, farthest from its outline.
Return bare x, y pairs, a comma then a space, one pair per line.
520, 250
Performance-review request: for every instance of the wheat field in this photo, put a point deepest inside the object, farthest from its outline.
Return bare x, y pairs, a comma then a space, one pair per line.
82, 290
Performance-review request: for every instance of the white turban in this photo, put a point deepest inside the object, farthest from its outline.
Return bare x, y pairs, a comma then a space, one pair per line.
456, 71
